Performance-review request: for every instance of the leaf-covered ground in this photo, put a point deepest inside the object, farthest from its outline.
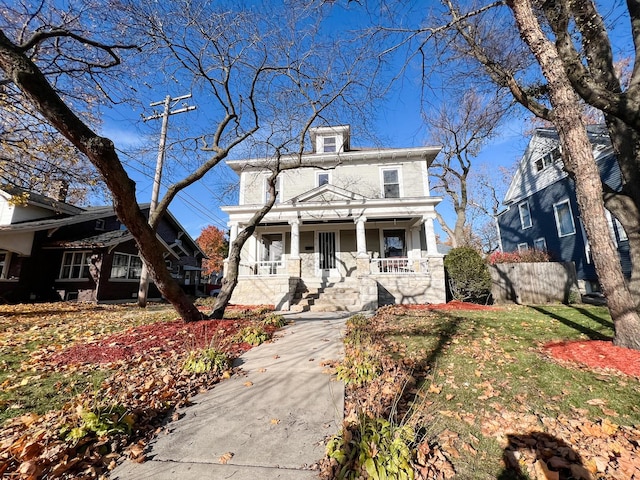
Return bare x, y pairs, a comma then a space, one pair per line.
68, 368
499, 392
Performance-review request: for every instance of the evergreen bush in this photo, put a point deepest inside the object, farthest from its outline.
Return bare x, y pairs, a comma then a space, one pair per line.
469, 278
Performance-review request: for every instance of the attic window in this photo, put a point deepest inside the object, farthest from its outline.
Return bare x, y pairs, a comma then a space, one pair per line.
323, 178
547, 159
329, 145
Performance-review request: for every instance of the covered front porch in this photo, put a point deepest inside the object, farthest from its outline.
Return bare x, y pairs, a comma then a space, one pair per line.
388, 244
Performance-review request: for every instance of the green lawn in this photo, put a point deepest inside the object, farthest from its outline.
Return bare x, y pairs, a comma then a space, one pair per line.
483, 383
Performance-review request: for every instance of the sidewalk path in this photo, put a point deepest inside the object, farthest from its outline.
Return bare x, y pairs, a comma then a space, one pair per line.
274, 419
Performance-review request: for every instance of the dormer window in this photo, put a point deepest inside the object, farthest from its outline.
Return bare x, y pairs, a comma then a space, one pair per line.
547, 159
329, 145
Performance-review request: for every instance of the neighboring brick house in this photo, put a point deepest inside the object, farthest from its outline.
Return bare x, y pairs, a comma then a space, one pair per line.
50, 250
542, 211
351, 229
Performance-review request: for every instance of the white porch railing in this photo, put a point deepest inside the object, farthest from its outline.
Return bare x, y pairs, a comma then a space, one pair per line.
399, 265
263, 268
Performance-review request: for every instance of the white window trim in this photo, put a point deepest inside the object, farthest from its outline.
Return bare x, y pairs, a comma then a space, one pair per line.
127, 279
523, 247
86, 254
544, 244
398, 168
334, 145
522, 225
5, 268
555, 214
323, 172
279, 189
407, 235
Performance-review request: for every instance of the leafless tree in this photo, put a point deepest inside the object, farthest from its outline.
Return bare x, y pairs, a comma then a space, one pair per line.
462, 127
262, 76
554, 99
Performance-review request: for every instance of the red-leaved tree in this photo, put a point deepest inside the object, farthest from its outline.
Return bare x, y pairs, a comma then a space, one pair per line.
213, 243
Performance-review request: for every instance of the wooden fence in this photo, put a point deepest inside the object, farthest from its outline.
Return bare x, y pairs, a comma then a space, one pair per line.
534, 283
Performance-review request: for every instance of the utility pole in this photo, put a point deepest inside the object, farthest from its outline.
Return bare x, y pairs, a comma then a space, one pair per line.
168, 103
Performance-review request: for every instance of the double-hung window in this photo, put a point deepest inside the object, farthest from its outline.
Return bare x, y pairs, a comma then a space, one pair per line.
391, 183
564, 218
75, 265
540, 244
525, 215
126, 267
329, 145
278, 190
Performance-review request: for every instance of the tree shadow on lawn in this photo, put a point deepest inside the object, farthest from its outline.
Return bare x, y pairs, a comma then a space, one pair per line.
540, 455
592, 334
444, 332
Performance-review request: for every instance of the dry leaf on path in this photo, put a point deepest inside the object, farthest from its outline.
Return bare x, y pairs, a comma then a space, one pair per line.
224, 459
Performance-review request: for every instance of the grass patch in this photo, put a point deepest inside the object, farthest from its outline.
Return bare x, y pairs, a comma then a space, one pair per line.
29, 330
482, 380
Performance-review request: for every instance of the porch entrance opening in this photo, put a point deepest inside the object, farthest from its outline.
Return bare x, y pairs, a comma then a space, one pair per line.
272, 247
327, 263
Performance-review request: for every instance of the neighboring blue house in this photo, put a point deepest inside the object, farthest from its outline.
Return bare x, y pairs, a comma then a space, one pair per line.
541, 208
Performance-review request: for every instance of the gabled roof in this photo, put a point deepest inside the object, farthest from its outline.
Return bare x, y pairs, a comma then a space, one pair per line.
92, 213
38, 200
106, 239
325, 193
526, 181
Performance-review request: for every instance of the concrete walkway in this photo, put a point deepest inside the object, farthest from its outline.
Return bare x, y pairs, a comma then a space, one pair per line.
274, 419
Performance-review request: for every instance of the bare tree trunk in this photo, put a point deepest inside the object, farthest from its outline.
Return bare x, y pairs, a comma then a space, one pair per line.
233, 266
101, 152
580, 163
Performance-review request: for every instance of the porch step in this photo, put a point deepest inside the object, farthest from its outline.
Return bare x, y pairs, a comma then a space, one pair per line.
327, 296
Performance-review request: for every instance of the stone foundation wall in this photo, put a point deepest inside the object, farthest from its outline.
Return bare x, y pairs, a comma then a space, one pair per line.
278, 291
413, 288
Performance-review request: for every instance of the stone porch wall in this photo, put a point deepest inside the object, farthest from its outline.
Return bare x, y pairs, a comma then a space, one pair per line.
278, 291
413, 288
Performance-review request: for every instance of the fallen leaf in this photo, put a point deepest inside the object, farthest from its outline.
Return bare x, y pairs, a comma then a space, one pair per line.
248, 384
224, 459
275, 421
435, 388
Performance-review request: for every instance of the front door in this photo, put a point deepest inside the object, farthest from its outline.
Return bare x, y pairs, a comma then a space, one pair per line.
326, 251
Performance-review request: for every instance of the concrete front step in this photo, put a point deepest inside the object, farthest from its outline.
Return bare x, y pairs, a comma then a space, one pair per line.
327, 296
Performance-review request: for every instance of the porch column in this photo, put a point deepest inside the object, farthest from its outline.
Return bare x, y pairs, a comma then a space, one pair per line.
233, 231
363, 262
430, 235
361, 238
294, 263
233, 234
295, 238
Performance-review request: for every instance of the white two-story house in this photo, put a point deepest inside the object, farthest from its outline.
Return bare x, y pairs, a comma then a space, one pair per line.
351, 228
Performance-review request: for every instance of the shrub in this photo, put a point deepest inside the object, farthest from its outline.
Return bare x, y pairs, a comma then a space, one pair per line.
469, 278
274, 320
254, 336
527, 256
99, 421
374, 448
206, 360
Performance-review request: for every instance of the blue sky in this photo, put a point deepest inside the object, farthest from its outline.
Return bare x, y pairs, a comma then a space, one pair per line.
399, 121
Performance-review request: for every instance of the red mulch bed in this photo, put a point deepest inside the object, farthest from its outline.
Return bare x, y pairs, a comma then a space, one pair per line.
158, 339
452, 305
597, 354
